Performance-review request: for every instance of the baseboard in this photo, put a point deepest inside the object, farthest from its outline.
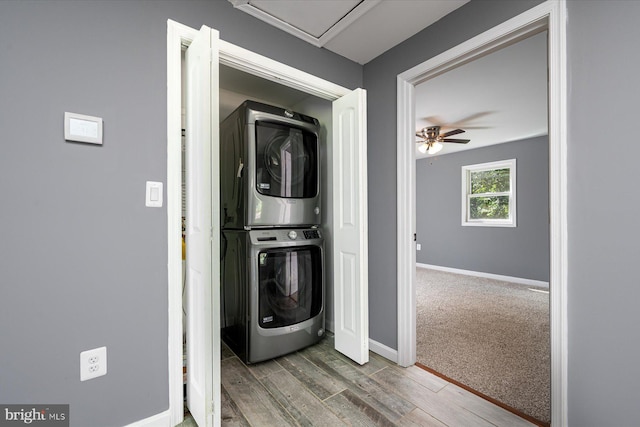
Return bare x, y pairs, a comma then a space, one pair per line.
162, 419
518, 280
375, 346
383, 350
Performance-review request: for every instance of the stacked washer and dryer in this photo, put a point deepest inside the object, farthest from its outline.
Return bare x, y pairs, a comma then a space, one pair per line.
272, 287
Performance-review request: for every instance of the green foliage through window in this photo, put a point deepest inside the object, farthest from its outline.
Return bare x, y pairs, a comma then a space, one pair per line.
496, 207
490, 181
488, 193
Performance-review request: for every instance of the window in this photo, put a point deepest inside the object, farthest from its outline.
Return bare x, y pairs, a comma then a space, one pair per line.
489, 194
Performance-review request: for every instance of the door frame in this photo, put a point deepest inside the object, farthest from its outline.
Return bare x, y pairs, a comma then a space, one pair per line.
550, 15
179, 37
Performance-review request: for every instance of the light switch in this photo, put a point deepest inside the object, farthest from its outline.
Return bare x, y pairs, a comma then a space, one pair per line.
153, 198
154, 194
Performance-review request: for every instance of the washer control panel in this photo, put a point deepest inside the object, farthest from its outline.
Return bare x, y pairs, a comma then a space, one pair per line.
311, 234
283, 235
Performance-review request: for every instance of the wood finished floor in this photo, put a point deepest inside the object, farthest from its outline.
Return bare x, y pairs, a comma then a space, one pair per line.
318, 386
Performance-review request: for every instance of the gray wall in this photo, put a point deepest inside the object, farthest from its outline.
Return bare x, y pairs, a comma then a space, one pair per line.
83, 263
380, 81
521, 251
604, 289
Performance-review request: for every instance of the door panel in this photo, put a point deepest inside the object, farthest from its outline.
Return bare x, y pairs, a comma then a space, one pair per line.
350, 226
203, 277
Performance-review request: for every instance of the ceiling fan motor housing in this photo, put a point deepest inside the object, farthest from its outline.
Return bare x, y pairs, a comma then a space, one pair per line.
432, 133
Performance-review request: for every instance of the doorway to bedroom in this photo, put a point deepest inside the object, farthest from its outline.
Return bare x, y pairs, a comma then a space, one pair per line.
482, 204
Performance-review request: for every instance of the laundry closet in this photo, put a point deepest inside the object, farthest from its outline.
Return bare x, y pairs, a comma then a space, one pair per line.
236, 87
210, 78
271, 213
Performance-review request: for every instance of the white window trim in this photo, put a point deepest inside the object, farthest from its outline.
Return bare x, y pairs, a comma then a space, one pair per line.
501, 164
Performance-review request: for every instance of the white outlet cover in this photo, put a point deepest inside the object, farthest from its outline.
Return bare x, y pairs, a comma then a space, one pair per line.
93, 363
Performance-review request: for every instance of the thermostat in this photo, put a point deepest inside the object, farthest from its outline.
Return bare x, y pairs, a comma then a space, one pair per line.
81, 128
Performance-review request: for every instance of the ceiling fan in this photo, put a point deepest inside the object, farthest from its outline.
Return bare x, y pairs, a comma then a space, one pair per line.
432, 139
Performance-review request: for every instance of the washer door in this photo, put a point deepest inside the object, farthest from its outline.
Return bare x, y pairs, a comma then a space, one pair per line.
290, 285
286, 161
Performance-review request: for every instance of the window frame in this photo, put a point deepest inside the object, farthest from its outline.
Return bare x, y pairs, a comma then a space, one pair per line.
466, 194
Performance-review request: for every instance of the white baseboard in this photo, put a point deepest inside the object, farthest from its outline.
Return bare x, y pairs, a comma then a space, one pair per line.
518, 280
375, 346
383, 350
162, 419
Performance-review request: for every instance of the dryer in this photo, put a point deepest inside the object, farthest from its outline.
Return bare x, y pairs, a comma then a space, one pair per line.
272, 291
269, 168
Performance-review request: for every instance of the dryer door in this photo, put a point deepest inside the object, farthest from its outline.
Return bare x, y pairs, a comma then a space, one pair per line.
286, 161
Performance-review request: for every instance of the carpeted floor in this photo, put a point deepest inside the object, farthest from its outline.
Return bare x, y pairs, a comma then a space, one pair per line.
489, 335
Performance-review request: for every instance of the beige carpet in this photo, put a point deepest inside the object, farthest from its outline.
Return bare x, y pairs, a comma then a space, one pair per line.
489, 335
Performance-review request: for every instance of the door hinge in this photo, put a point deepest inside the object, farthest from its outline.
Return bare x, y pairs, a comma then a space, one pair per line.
414, 237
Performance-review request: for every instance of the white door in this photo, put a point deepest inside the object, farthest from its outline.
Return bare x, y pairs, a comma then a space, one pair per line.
350, 253
202, 233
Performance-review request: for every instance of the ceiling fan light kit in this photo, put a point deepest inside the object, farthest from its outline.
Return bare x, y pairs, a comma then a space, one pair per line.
431, 148
434, 148
432, 139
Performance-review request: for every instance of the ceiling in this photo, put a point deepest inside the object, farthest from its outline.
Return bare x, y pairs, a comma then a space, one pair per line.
498, 98
350, 28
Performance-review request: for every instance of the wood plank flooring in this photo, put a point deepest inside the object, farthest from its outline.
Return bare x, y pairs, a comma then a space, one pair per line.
318, 386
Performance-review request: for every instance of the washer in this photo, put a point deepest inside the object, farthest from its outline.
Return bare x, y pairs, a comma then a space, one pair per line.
272, 291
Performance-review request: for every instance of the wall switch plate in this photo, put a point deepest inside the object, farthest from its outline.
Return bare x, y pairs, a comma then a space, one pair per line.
418, 246
93, 363
153, 198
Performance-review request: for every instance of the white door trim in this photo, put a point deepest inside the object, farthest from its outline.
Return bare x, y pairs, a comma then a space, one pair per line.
266, 68
179, 37
552, 16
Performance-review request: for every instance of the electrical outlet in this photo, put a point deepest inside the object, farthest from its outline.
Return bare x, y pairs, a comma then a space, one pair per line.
93, 363
418, 246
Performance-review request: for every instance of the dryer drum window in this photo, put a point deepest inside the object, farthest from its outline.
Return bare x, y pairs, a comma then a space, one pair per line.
286, 161
290, 285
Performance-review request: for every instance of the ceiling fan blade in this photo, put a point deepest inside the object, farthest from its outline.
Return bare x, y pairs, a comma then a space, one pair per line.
457, 141
451, 132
